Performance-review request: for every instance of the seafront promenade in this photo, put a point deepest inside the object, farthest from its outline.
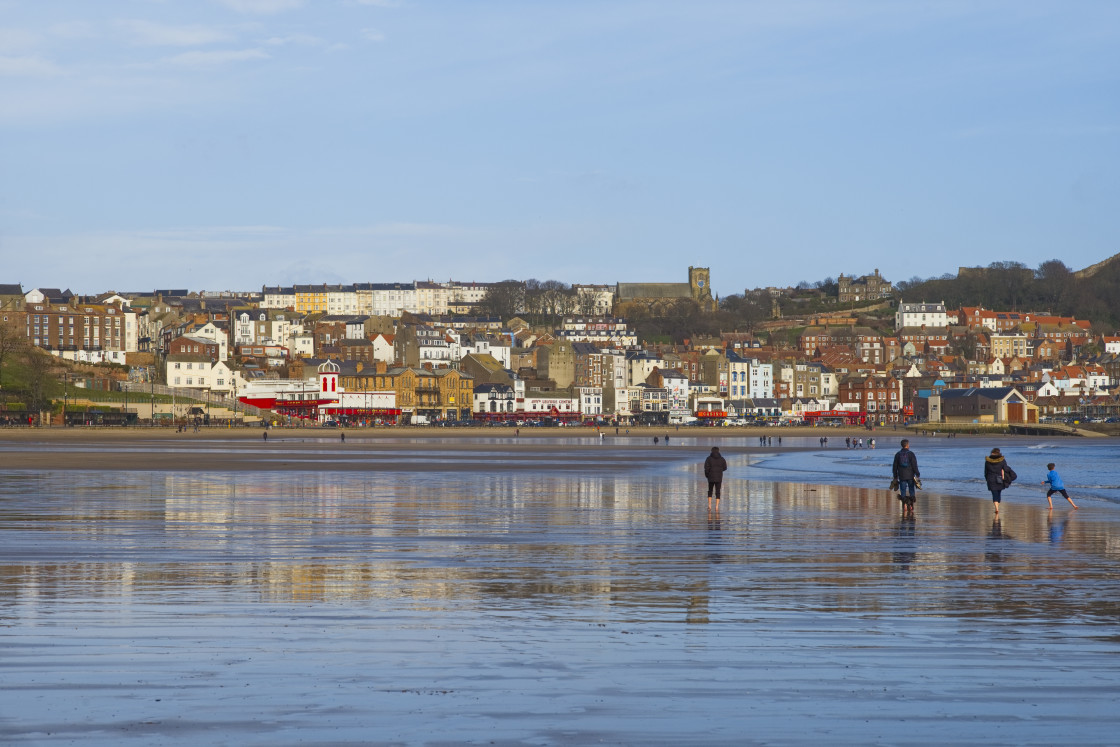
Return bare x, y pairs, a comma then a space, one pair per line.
517, 590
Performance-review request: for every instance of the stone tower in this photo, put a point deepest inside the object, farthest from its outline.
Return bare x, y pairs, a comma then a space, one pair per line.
700, 281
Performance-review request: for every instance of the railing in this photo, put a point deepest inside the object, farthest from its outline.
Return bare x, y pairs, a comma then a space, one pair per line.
198, 395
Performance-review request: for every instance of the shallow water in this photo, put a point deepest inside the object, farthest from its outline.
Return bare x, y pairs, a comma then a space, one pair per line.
1090, 468
556, 598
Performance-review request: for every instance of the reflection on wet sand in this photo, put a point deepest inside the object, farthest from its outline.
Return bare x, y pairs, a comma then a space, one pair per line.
607, 580
482, 540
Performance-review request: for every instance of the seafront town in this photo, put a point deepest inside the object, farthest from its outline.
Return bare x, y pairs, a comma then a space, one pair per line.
846, 352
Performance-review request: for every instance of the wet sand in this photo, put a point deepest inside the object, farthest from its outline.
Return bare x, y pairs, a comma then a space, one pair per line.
473, 590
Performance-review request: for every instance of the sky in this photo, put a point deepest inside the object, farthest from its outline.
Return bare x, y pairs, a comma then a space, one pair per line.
230, 144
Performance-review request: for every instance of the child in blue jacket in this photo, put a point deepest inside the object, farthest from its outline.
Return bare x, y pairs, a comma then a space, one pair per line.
1056, 486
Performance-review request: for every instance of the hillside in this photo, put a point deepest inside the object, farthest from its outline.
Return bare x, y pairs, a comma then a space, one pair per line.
1090, 293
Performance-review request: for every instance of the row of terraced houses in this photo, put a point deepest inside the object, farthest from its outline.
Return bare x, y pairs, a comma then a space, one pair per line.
422, 354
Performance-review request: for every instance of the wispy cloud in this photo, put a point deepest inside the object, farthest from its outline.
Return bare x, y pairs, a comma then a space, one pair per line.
379, 3
373, 35
14, 41
28, 67
305, 40
261, 7
198, 59
147, 33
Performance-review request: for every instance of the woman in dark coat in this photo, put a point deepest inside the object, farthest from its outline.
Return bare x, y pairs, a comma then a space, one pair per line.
998, 474
714, 467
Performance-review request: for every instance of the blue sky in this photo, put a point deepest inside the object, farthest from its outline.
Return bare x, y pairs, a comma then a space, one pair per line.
226, 144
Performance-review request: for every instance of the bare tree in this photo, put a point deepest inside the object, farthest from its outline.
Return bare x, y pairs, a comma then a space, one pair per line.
505, 299
12, 341
39, 366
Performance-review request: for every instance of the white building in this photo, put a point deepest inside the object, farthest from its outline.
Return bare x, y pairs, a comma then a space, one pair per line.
387, 299
198, 372
590, 400
921, 315
749, 377
215, 335
676, 388
278, 298
301, 345
383, 349
595, 299
550, 405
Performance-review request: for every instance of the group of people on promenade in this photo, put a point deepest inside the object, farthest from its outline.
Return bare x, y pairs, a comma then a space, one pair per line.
906, 478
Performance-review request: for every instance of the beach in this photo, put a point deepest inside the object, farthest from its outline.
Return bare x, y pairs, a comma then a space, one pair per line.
161, 587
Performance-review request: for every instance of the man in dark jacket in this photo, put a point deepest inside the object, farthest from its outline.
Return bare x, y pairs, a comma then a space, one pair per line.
714, 467
905, 472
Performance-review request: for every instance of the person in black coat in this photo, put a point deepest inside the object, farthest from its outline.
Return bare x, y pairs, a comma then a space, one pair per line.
998, 474
905, 473
714, 467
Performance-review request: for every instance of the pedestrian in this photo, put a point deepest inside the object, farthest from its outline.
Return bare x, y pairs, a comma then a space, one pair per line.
342, 437
848, 442
655, 441
998, 474
905, 472
1056, 486
265, 435
666, 439
779, 440
714, 467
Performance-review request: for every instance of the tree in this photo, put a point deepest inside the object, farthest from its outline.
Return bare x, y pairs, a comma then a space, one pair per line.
504, 300
1053, 280
38, 366
585, 303
12, 341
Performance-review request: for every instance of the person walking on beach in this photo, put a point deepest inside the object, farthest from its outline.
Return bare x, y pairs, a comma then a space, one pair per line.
998, 474
714, 467
904, 470
1056, 486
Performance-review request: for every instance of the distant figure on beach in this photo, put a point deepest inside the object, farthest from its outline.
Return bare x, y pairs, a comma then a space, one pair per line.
998, 474
1056, 486
714, 467
516, 431
871, 443
343, 437
666, 439
655, 441
265, 435
848, 442
904, 470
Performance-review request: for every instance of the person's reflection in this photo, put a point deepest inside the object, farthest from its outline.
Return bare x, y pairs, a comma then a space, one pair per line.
994, 550
1057, 528
905, 547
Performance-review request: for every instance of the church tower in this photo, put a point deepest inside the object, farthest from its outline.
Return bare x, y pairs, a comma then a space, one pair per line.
700, 283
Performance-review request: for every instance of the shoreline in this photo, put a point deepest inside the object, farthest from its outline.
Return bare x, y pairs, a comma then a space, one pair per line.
248, 433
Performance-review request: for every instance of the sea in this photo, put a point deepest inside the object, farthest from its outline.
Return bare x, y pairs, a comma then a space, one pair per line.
1090, 468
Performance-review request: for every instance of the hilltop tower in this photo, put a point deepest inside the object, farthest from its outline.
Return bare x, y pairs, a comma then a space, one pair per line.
700, 283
